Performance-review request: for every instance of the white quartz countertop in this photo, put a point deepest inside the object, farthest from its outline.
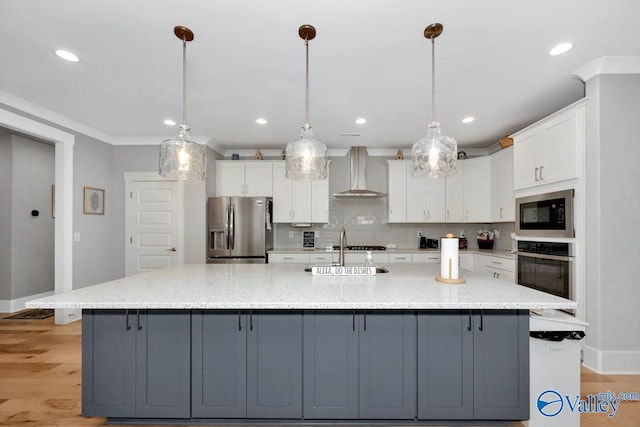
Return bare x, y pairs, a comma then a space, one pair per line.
287, 286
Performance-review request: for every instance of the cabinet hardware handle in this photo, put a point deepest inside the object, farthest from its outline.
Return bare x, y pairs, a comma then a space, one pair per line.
288, 257
496, 262
239, 321
500, 213
353, 321
447, 213
250, 320
138, 325
428, 214
365, 321
469, 322
172, 250
541, 178
126, 315
481, 327
536, 174
497, 275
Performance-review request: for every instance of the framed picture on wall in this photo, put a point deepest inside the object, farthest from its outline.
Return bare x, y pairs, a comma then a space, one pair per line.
93, 201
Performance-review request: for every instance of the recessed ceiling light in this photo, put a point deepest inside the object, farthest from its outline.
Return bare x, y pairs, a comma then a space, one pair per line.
261, 121
560, 49
67, 56
468, 119
169, 122
361, 120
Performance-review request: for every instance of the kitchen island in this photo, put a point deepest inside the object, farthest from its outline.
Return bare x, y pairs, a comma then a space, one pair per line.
251, 344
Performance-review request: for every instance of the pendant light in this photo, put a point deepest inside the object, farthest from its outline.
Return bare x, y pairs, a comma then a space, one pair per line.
181, 158
306, 158
435, 155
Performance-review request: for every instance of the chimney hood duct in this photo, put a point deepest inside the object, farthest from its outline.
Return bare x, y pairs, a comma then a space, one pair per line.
358, 176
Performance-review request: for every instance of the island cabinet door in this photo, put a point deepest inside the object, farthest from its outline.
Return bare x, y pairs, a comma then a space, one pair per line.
501, 365
445, 365
219, 364
330, 365
274, 365
136, 363
387, 344
163, 364
108, 363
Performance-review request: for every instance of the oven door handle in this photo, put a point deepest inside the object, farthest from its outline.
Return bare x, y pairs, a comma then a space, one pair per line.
546, 256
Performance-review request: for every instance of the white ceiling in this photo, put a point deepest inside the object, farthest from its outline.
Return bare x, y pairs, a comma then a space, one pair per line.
369, 59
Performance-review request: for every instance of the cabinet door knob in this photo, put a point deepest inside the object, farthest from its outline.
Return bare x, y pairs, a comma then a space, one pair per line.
172, 250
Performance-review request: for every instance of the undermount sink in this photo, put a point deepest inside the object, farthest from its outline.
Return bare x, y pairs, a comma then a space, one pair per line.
378, 269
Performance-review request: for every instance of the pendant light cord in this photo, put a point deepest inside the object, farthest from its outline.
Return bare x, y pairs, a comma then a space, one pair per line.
433, 79
306, 105
184, 81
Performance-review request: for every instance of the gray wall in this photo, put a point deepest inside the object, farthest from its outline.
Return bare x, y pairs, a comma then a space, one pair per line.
613, 176
26, 241
95, 255
5, 217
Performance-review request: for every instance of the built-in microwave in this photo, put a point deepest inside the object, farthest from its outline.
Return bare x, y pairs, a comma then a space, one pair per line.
545, 215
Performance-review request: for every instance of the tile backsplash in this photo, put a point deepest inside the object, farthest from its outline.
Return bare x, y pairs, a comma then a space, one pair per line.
365, 223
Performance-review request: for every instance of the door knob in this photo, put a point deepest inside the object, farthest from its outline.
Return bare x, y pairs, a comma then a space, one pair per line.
172, 250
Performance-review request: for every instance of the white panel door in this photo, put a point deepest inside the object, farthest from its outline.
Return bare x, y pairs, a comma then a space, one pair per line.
154, 224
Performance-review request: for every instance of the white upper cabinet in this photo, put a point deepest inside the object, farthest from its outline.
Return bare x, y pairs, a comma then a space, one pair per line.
413, 199
502, 194
547, 152
455, 195
252, 178
477, 189
425, 198
299, 201
397, 191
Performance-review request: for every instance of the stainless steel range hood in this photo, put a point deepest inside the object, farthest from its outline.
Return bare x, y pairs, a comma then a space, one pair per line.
358, 176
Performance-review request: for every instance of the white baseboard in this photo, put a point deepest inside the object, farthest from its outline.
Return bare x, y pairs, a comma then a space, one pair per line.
611, 362
13, 305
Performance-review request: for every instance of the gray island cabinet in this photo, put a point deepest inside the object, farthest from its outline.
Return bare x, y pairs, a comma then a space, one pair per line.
262, 343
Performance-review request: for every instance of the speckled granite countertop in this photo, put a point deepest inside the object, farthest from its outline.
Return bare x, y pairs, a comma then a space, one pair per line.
285, 286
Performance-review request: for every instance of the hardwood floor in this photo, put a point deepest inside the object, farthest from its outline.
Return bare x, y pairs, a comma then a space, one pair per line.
40, 379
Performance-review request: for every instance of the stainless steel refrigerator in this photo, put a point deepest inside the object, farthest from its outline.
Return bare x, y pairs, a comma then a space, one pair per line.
240, 229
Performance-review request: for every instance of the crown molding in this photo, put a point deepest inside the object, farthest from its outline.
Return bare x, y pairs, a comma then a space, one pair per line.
608, 65
52, 117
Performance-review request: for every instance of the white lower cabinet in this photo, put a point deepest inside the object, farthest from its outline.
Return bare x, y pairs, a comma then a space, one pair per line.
400, 257
465, 261
289, 258
429, 257
358, 258
497, 268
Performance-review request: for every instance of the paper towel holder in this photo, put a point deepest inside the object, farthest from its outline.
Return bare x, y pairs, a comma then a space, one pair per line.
439, 277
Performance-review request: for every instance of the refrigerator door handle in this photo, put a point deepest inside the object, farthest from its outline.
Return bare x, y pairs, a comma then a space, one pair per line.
232, 220
226, 226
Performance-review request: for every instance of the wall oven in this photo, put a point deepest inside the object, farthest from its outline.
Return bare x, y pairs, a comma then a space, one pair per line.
545, 215
546, 266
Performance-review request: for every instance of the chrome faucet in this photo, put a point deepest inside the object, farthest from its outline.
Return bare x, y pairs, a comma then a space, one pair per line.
343, 242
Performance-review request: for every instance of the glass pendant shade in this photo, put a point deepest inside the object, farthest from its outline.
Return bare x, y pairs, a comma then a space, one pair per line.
306, 158
183, 159
434, 156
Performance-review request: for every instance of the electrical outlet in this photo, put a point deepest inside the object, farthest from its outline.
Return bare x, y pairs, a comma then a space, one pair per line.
419, 233
291, 234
